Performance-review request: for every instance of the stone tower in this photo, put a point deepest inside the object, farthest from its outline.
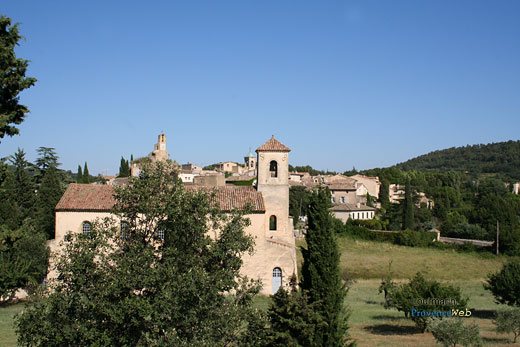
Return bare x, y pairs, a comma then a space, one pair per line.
159, 152
273, 182
250, 161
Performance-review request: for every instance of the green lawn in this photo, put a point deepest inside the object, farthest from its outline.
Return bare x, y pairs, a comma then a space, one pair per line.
7, 334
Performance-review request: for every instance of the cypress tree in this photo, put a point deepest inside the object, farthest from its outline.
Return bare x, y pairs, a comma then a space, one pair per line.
321, 277
384, 193
23, 188
48, 196
79, 179
408, 222
86, 175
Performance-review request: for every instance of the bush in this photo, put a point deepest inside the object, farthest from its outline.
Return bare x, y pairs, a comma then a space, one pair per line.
453, 331
421, 294
505, 284
508, 321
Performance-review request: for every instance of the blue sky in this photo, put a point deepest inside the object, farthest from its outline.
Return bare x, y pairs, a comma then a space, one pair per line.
343, 83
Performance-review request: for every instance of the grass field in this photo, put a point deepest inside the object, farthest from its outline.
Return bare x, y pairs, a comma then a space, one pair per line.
367, 262
7, 334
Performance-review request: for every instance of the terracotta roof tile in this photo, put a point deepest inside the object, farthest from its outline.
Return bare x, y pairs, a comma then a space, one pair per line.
341, 186
273, 145
231, 197
89, 197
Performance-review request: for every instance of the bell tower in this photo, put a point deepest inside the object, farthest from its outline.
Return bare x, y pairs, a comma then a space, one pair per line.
273, 182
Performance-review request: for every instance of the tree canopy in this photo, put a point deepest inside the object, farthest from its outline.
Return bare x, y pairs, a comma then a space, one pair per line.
12, 79
170, 276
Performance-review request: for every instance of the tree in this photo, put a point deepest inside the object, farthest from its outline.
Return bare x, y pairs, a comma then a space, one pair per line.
384, 193
47, 158
421, 294
453, 331
294, 321
124, 168
12, 79
408, 221
508, 321
23, 259
86, 175
505, 284
49, 194
79, 178
132, 287
22, 188
320, 272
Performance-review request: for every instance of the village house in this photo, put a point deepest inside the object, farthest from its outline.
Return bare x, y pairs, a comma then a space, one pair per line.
356, 211
274, 259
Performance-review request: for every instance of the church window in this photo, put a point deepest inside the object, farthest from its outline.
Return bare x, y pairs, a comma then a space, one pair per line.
273, 168
272, 223
277, 279
86, 227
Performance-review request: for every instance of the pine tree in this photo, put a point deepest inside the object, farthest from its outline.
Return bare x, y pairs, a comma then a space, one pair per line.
408, 222
320, 271
23, 188
48, 196
79, 179
86, 175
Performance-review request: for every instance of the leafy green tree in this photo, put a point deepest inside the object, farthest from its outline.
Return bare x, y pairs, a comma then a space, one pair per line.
86, 174
135, 288
320, 272
508, 321
408, 220
23, 259
79, 178
49, 194
421, 294
505, 284
10, 213
12, 79
453, 332
293, 321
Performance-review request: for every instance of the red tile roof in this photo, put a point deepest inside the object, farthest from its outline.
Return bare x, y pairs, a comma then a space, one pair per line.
273, 145
93, 197
87, 197
231, 197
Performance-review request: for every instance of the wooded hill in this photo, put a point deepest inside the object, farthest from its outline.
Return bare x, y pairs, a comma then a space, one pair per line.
501, 158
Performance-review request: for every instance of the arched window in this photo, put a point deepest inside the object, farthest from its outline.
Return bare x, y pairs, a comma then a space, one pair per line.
86, 227
273, 168
277, 279
272, 223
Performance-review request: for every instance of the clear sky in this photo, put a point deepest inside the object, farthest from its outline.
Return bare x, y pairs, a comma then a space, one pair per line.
343, 83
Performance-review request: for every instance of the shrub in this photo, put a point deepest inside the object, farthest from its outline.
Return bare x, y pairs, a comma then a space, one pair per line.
505, 284
421, 294
453, 332
508, 321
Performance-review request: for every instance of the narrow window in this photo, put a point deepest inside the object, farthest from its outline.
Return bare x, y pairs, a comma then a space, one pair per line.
272, 223
86, 227
124, 230
342, 199
277, 279
160, 234
333, 200
273, 168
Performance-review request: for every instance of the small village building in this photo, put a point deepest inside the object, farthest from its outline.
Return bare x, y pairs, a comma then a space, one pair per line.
353, 211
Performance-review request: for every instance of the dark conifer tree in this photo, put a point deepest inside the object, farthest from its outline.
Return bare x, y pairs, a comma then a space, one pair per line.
23, 188
408, 222
321, 277
384, 194
79, 179
48, 196
86, 175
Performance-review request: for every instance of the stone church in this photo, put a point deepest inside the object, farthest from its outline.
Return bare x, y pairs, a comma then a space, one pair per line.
274, 259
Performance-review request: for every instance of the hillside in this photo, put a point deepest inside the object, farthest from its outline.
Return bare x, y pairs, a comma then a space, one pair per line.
501, 158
